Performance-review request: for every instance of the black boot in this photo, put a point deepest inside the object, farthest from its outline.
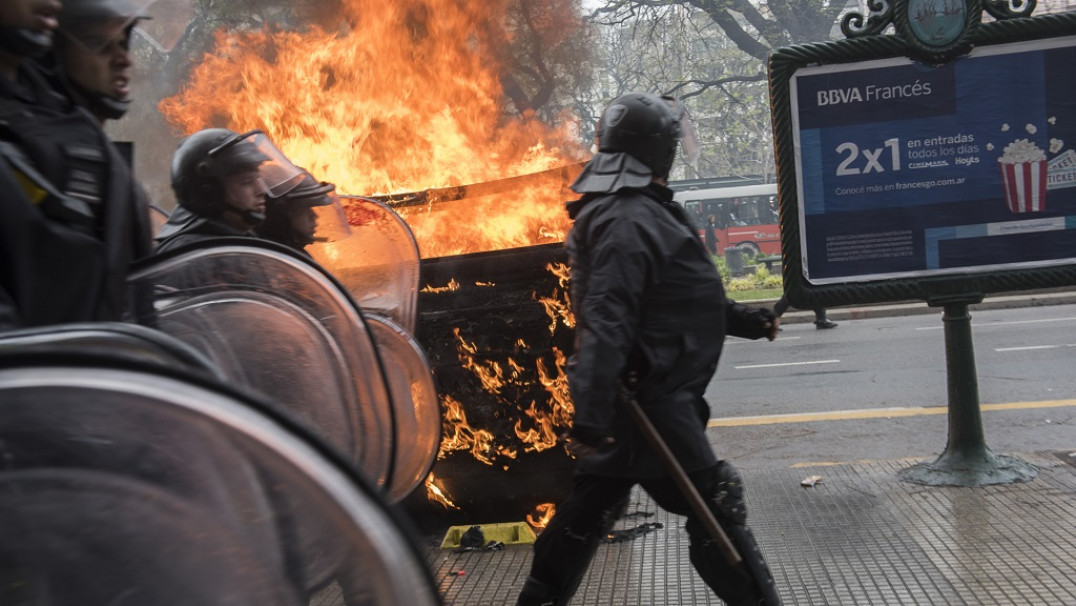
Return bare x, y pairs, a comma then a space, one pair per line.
825, 323
536, 593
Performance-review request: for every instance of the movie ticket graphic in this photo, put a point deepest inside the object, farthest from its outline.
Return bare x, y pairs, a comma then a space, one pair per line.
908, 170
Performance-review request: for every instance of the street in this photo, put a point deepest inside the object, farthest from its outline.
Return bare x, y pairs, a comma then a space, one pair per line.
876, 389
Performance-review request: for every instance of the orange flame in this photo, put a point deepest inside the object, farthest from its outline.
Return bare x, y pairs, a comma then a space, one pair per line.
558, 307
562, 272
557, 385
437, 495
404, 96
457, 434
539, 518
490, 374
451, 286
539, 426
540, 437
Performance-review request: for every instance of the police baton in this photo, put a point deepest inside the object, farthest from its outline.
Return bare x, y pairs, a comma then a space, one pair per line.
679, 476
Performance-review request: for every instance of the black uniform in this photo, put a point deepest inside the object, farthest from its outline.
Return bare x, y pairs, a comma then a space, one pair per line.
71, 216
184, 227
648, 302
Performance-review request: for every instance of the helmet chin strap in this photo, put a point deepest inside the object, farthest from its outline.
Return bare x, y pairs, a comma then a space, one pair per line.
24, 42
251, 217
103, 106
108, 108
99, 104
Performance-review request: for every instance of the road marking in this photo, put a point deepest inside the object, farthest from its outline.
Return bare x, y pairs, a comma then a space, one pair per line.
786, 364
1014, 322
874, 413
1030, 347
741, 341
901, 461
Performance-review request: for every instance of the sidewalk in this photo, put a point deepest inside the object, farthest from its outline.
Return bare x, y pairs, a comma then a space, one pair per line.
908, 308
860, 536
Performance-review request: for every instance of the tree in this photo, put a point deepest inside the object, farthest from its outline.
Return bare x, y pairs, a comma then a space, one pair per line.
755, 27
678, 50
712, 54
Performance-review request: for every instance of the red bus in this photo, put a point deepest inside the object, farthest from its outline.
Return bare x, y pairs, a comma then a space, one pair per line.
744, 216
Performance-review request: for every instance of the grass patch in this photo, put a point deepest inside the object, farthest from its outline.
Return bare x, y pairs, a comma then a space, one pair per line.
755, 295
760, 284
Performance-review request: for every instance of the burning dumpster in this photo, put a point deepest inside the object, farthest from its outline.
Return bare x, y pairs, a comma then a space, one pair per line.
495, 324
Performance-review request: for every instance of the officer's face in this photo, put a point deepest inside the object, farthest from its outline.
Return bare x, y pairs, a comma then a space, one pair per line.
244, 192
38, 15
304, 221
98, 59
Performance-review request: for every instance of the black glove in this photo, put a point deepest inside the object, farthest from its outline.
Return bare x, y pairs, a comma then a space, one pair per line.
749, 322
582, 442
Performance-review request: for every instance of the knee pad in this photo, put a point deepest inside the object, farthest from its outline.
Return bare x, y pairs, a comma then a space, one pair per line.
726, 495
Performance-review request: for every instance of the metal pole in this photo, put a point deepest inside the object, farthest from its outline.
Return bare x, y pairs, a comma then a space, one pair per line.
679, 476
967, 461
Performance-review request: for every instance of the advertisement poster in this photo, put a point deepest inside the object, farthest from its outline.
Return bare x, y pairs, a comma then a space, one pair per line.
906, 170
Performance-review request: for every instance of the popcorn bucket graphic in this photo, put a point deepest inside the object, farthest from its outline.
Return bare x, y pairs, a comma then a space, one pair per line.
1025, 185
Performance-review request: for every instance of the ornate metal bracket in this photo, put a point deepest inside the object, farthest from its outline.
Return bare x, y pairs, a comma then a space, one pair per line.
854, 25
934, 31
1008, 9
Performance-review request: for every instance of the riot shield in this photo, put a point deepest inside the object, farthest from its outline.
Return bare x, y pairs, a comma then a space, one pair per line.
414, 395
378, 264
117, 339
271, 320
129, 482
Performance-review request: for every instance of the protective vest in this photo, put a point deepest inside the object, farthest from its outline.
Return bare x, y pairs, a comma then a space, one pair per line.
72, 216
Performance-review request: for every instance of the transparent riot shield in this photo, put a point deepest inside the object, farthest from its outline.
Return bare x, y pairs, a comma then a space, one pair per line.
115, 339
378, 264
271, 320
414, 395
130, 482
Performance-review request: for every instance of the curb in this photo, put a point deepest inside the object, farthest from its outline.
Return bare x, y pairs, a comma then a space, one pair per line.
915, 308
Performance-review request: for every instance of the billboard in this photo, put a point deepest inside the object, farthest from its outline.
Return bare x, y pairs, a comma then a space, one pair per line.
908, 170
896, 177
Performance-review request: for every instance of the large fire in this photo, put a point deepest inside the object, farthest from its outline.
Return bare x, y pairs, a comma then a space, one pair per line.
404, 96
404, 101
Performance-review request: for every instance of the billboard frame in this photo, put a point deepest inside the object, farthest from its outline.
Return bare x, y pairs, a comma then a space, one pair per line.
867, 43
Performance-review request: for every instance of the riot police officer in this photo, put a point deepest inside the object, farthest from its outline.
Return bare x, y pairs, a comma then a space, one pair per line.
71, 220
307, 214
27, 28
92, 54
221, 179
651, 317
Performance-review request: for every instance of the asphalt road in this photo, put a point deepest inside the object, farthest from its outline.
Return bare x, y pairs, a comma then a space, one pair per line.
876, 389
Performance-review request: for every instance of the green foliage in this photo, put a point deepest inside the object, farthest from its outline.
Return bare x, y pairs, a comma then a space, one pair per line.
759, 284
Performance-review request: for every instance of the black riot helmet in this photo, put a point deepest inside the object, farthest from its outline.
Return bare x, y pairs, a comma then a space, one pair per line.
204, 159
637, 138
25, 41
644, 126
309, 213
91, 26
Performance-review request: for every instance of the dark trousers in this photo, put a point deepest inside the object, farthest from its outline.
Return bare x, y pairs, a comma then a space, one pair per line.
781, 306
565, 548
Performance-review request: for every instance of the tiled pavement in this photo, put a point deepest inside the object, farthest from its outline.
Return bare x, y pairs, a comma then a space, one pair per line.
860, 536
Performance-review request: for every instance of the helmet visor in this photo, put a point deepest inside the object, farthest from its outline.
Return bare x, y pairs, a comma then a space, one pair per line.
689, 139
331, 220
276, 172
98, 25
